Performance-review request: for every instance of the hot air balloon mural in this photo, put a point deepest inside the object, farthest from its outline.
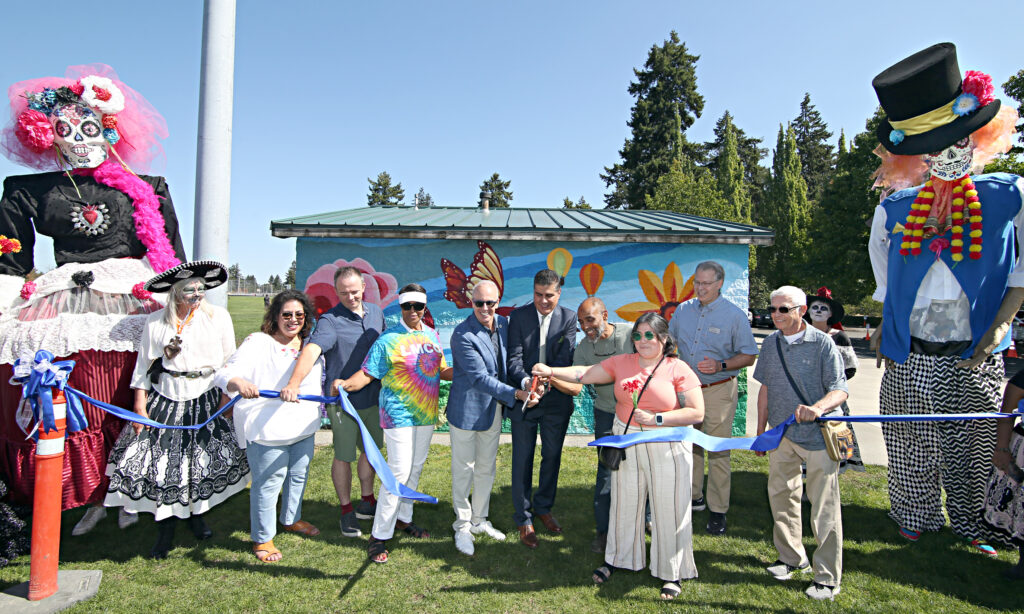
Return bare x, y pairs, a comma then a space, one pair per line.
663, 295
590, 276
560, 261
485, 265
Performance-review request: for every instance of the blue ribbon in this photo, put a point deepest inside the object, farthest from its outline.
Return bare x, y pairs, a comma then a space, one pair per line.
42, 376
373, 455
769, 440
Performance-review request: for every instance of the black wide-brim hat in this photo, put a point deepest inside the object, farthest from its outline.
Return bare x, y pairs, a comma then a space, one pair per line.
838, 312
211, 272
921, 83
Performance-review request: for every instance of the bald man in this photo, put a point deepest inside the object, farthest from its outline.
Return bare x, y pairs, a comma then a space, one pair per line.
603, 339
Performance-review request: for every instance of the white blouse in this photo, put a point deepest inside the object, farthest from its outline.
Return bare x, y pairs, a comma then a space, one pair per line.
206, 343
269, 365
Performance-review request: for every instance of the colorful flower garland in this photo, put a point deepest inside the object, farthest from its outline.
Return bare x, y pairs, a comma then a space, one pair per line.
963, 194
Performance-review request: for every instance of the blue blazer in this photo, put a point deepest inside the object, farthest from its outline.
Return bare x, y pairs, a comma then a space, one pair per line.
476, 389
524, 350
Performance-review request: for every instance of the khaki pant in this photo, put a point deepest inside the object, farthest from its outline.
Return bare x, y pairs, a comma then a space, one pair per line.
719, 412
826, 516
474, 456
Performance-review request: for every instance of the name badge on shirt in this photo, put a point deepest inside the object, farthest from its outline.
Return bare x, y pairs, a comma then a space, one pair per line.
714, 329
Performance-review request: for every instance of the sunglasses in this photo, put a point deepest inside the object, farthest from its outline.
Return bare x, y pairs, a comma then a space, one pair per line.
485, 303
298, 316
413, 306
649, 335
784, 309
189, 292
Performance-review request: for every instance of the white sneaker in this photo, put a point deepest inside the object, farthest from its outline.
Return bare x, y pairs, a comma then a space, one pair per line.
464, 542
488, 529
88, 522
125, 518
782, 571
821, 592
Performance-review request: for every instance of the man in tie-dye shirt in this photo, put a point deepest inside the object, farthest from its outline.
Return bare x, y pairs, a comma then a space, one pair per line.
409, 362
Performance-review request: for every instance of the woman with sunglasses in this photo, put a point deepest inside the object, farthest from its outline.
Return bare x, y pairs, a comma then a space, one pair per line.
277, 436
409, 362
653, 389
178, 473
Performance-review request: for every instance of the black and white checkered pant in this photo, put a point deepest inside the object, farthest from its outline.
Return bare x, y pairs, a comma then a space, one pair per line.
925, 457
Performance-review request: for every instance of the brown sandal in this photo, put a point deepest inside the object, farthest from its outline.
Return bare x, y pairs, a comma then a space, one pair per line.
268, 550
302, 527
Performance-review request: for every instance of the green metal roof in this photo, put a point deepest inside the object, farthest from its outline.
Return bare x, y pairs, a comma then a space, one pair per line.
529, 224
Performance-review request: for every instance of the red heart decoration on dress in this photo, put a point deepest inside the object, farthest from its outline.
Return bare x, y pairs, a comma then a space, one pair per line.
90, 215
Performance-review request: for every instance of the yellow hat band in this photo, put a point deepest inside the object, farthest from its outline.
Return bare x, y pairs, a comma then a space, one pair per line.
926, 121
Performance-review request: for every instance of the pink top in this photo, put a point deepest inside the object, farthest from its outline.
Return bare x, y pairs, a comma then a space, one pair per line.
672, 377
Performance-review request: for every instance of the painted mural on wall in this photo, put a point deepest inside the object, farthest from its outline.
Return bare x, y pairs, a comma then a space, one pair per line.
631, 278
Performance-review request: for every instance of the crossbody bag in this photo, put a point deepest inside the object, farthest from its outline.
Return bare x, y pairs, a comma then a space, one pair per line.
613, 457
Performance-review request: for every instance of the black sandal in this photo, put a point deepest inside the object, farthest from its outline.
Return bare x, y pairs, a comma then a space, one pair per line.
377, 550
670, 590
602, 574
415, 531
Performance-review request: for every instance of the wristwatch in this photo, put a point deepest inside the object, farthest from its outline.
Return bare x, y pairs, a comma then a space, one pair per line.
659, 419
724, 366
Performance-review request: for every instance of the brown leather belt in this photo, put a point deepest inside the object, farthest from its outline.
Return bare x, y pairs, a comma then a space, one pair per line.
721, 381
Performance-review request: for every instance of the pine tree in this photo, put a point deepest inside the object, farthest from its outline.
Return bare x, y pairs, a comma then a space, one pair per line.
730, 176
234, 278
786, 212
816, 154
755, 176
501, 196
580, 204
424, 199
289, 277
667, 103
382, 193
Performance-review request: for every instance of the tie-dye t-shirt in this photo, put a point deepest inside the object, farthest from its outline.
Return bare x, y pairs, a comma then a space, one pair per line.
408, 365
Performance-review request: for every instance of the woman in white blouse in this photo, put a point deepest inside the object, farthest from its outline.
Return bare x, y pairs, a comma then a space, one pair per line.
176, 473
277, 436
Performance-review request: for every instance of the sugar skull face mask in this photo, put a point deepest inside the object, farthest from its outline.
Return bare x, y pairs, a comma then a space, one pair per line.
78, 133
819, 312
952, 162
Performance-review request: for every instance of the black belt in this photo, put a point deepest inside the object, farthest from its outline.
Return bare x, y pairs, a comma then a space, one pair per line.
157, 368
938, 348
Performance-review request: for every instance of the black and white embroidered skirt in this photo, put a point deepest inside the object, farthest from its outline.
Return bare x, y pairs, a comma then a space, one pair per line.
172, 472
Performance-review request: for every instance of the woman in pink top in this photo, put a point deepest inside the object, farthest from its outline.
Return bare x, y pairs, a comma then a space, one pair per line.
672, 397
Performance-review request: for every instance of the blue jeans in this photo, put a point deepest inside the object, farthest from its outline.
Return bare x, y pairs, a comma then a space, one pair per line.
272, 467
603, 484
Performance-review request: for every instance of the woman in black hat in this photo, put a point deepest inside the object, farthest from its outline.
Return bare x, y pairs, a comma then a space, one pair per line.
826, 314
176, 473
947, 269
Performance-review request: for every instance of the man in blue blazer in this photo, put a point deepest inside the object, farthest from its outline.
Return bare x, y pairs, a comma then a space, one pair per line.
546, 333
479, 348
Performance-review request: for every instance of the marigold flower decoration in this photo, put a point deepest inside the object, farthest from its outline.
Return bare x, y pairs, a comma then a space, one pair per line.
9, 246
663, 295
964, 194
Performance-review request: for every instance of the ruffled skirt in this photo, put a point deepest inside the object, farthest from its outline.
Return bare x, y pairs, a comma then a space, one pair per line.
172, 472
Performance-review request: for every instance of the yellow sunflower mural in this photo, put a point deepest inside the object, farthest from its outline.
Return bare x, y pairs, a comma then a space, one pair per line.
663, 295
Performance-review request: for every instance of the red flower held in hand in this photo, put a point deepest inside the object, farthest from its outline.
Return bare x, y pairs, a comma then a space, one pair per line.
631, 386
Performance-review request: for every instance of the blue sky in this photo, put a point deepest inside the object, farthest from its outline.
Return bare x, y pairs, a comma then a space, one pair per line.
442, 94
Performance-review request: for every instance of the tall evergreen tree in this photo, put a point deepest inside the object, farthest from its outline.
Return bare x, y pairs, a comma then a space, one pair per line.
841, 225
755, 176
816, 154
382, 193
501, 196
786, 212
289, 277
667, 103
580, 204
730, 176
841, 150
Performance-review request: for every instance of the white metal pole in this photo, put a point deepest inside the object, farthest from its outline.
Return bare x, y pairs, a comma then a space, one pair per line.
213, 153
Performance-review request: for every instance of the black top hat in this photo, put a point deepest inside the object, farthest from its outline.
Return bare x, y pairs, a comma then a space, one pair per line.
211, 272
825, 296
923, 83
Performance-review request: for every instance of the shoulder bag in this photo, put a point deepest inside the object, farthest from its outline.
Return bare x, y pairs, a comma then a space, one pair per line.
611, 457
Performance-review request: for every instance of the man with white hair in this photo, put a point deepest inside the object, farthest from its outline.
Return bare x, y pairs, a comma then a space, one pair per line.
801, 374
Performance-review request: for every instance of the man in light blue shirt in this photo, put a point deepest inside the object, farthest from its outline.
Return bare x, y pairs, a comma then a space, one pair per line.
714, 338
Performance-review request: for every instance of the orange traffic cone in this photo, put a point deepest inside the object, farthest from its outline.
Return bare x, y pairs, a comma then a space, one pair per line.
1012, 352
867, 333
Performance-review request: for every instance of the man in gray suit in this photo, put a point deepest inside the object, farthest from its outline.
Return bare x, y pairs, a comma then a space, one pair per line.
478, 384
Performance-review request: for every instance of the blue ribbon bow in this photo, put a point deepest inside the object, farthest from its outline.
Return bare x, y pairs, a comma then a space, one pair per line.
38, 381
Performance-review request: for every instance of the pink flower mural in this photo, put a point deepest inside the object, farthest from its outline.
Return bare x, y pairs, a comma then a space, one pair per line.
381, 288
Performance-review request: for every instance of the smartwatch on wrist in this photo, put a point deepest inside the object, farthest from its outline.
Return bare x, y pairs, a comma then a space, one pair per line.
724, 366
659, 419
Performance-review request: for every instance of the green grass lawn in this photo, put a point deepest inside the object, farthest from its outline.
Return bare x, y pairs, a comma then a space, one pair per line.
330, 573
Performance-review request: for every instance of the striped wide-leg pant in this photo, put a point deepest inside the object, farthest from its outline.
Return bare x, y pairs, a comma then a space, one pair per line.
925, 457
663, 471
